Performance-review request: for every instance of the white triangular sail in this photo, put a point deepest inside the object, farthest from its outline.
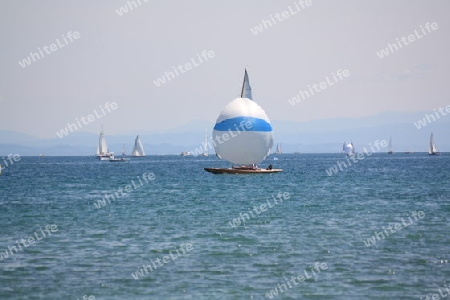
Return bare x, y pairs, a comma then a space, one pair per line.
102, 146
138, 149
278, 149
433, 149
390, 151
246, 91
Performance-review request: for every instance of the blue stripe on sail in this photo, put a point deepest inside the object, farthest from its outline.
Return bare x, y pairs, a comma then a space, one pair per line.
239, 123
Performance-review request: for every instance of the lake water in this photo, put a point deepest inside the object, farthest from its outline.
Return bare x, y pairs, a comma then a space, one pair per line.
178, 223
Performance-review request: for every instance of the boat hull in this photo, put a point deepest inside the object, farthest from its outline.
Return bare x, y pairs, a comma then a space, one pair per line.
241, 171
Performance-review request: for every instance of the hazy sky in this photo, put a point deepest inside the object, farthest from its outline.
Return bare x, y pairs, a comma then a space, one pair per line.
118, 58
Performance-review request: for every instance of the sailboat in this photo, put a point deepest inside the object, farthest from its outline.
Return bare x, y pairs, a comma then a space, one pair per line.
278, 149
244, 135
102, 148
205, 145
390, 151
433, 150
138, 150
348, 149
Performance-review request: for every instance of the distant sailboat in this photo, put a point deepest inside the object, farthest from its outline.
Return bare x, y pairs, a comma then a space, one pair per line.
102, 147
433, 150
390, 151
348, 149
138, 150
245, 133
205, 145
278, 149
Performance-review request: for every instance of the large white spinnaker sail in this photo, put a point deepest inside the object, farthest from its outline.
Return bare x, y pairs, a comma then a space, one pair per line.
243, 134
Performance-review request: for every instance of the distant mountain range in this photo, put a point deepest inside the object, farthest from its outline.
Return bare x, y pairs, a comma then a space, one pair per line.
320, 136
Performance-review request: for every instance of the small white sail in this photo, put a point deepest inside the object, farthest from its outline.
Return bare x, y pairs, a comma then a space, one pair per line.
433, 149
390, 151
102, 147
349, 149
246, 91
278, 149
138, 149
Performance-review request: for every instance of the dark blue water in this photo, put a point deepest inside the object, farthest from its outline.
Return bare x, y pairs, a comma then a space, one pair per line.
326, 219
